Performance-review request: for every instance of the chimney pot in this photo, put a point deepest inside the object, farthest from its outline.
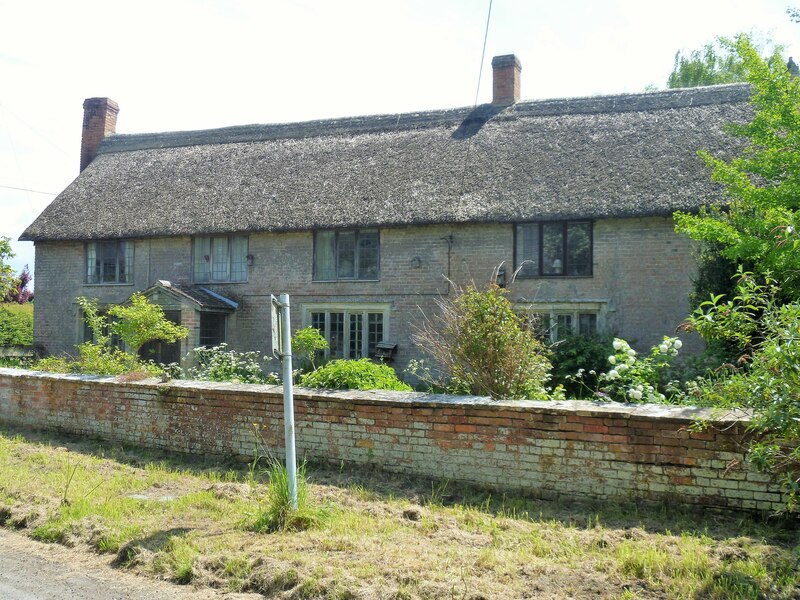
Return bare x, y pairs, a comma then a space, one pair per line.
506, 79
99, 120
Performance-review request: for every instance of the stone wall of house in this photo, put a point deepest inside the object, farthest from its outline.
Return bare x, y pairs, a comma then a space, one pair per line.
549, 450
641, 279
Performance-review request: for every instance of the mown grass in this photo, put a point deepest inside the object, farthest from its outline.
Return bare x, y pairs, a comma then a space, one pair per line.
382, 536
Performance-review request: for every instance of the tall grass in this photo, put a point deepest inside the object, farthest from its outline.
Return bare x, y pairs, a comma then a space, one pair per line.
276, 512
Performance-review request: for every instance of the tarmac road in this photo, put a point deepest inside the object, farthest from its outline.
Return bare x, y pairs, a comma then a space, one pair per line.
31, 570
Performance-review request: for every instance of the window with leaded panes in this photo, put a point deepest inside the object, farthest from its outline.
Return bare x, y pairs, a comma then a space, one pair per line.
109, 261
346, 255
219, 258
350, 332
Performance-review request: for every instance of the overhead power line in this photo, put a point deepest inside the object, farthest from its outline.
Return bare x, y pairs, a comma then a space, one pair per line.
11, 187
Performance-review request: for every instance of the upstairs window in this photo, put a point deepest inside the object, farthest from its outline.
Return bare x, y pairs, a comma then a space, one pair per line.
220, 258
346, 255
109, 262
554, 249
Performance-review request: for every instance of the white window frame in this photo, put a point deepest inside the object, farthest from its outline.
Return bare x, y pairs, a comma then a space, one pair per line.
574, 309
348, 309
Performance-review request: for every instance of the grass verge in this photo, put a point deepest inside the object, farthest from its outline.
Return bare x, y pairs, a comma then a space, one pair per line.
377, 535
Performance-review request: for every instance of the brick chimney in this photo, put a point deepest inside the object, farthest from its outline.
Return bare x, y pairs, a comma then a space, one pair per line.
506, 70
99, 120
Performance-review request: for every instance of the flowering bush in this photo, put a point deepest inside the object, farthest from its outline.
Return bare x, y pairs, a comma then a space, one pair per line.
633, 378
220, 364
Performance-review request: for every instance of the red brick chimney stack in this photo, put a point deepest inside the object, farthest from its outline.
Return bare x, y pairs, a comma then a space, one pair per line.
99, 120
506, 70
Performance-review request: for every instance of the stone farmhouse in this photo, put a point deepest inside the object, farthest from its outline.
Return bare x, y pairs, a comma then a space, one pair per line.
365, 221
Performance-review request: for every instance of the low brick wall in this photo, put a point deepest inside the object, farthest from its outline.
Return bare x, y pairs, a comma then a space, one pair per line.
546, 449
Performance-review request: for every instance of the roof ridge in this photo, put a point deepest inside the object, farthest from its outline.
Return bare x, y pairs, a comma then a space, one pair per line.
616, 103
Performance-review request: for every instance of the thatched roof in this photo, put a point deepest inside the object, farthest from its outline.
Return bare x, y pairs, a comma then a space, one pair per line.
610, 156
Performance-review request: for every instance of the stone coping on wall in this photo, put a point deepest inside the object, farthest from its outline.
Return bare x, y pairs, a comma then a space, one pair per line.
686, 414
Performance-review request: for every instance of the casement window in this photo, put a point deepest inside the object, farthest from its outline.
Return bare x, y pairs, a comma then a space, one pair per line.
212, 329
558, 320
553, 249
346, 255
109, 262
557, 326
220, 258
352, 331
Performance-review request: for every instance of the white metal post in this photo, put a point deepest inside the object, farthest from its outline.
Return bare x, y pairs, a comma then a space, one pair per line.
288, 396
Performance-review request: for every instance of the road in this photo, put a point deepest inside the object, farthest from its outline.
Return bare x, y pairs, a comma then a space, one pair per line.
31, 570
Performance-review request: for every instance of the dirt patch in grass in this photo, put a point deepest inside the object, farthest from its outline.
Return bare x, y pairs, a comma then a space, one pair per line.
380, 535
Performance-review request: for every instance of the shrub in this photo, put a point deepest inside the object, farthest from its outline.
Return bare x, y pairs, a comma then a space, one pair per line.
765, 381
577, 361
16, 324
633, 378
481, 346
362, 374
139, 321
218, 363
135, 323
307, 343
97, 359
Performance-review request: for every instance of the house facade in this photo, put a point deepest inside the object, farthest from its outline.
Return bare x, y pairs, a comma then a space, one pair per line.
367, 222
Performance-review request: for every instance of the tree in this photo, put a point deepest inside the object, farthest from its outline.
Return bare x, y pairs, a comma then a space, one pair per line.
19, 291
757, 226
7, 280
718, 62
140, 321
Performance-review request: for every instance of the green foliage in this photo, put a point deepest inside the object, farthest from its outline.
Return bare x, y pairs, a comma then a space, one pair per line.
218, 363
362, 374
759, 226
101, 356
581, 356
766, 379
633, 378
97, 359
140, 321
7, 281
718, 62
306, 344
16, 324
481, 346
276, 513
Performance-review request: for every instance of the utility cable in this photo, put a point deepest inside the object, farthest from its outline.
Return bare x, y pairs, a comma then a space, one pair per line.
477, 92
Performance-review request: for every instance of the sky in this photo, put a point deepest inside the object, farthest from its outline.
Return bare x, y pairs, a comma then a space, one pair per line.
176, 65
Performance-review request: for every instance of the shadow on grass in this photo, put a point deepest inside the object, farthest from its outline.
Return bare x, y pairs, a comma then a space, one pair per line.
372, 483
128, 554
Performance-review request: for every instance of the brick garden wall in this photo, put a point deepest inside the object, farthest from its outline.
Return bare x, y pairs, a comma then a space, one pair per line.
545, 449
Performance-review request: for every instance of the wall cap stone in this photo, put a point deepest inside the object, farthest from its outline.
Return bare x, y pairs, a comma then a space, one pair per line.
581, 408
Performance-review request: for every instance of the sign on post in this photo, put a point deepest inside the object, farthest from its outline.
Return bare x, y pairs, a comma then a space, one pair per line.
282, 348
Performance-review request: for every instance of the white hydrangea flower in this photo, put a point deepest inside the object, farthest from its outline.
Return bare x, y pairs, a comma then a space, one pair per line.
617, 344
612, 359
677, 344
631, 352
663, 348
613, 374
622, 368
